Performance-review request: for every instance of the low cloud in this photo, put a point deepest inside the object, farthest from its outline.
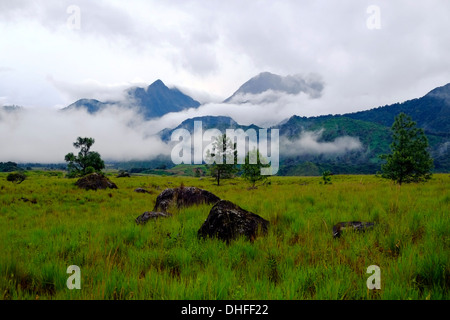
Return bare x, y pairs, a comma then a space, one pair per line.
265, 114
269, 87
92, 89
46, 136
309, 144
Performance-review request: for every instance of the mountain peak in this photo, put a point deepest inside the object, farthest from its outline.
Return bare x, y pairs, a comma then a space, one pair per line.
266, 74
90, 105
152, 102
158, 100
311, 85
158, 84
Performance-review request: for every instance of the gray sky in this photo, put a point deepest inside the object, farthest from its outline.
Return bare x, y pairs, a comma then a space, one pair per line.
50, 56
209, 48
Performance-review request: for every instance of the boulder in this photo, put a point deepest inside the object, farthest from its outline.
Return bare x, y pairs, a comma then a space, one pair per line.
143, 218
95, 181
141, 190
354, 225
123, 174
228, 221
183, 197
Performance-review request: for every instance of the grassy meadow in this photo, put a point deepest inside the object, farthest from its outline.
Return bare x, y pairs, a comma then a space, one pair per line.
62, 225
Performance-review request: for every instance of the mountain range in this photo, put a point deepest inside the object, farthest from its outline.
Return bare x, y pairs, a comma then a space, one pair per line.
370, 127
324, 135
266, 81
157, 99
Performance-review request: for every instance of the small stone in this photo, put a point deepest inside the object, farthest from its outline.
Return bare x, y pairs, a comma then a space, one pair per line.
355, 225
143, 218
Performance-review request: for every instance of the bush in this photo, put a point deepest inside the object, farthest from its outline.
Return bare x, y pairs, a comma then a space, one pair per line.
326, 177
17, 177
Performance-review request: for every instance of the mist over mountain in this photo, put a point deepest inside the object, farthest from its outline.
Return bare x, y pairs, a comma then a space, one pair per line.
8, 111
431, 112
90, 105
157, 100
145, 118
221, 123
372, 128
311, 85
12, 108
152, 102
352, 142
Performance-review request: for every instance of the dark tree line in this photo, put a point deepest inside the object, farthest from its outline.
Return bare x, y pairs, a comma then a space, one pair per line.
9, 167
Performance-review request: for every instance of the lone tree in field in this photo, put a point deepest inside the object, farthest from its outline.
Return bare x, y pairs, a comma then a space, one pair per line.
222, 159
326, 177
86, 162
251, 169
409, 160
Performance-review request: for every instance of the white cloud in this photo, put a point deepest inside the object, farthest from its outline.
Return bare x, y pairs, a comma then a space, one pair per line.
265, 110
215, 46
47, 135
309, 144
93, 89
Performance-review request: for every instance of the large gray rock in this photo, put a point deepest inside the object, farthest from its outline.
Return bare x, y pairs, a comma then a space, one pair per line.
354, 225
183, 197
228, 221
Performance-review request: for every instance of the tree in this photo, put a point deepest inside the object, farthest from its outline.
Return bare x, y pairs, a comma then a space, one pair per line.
9, 167
87, 161
409, 160
326, 177
222, 159
251, 169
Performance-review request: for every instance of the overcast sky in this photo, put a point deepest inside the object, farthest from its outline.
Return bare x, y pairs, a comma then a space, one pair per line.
367, 53
211, 47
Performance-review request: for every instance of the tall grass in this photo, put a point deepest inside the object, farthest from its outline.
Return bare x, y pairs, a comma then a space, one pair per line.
164, 259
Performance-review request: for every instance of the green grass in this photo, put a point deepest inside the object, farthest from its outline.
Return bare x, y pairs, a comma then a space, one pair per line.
164, 259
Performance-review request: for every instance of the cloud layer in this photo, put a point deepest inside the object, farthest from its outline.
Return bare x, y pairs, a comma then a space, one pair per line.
46, 136
309, 144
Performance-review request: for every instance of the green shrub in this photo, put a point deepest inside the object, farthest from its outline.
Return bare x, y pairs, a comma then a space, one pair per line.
17, 177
